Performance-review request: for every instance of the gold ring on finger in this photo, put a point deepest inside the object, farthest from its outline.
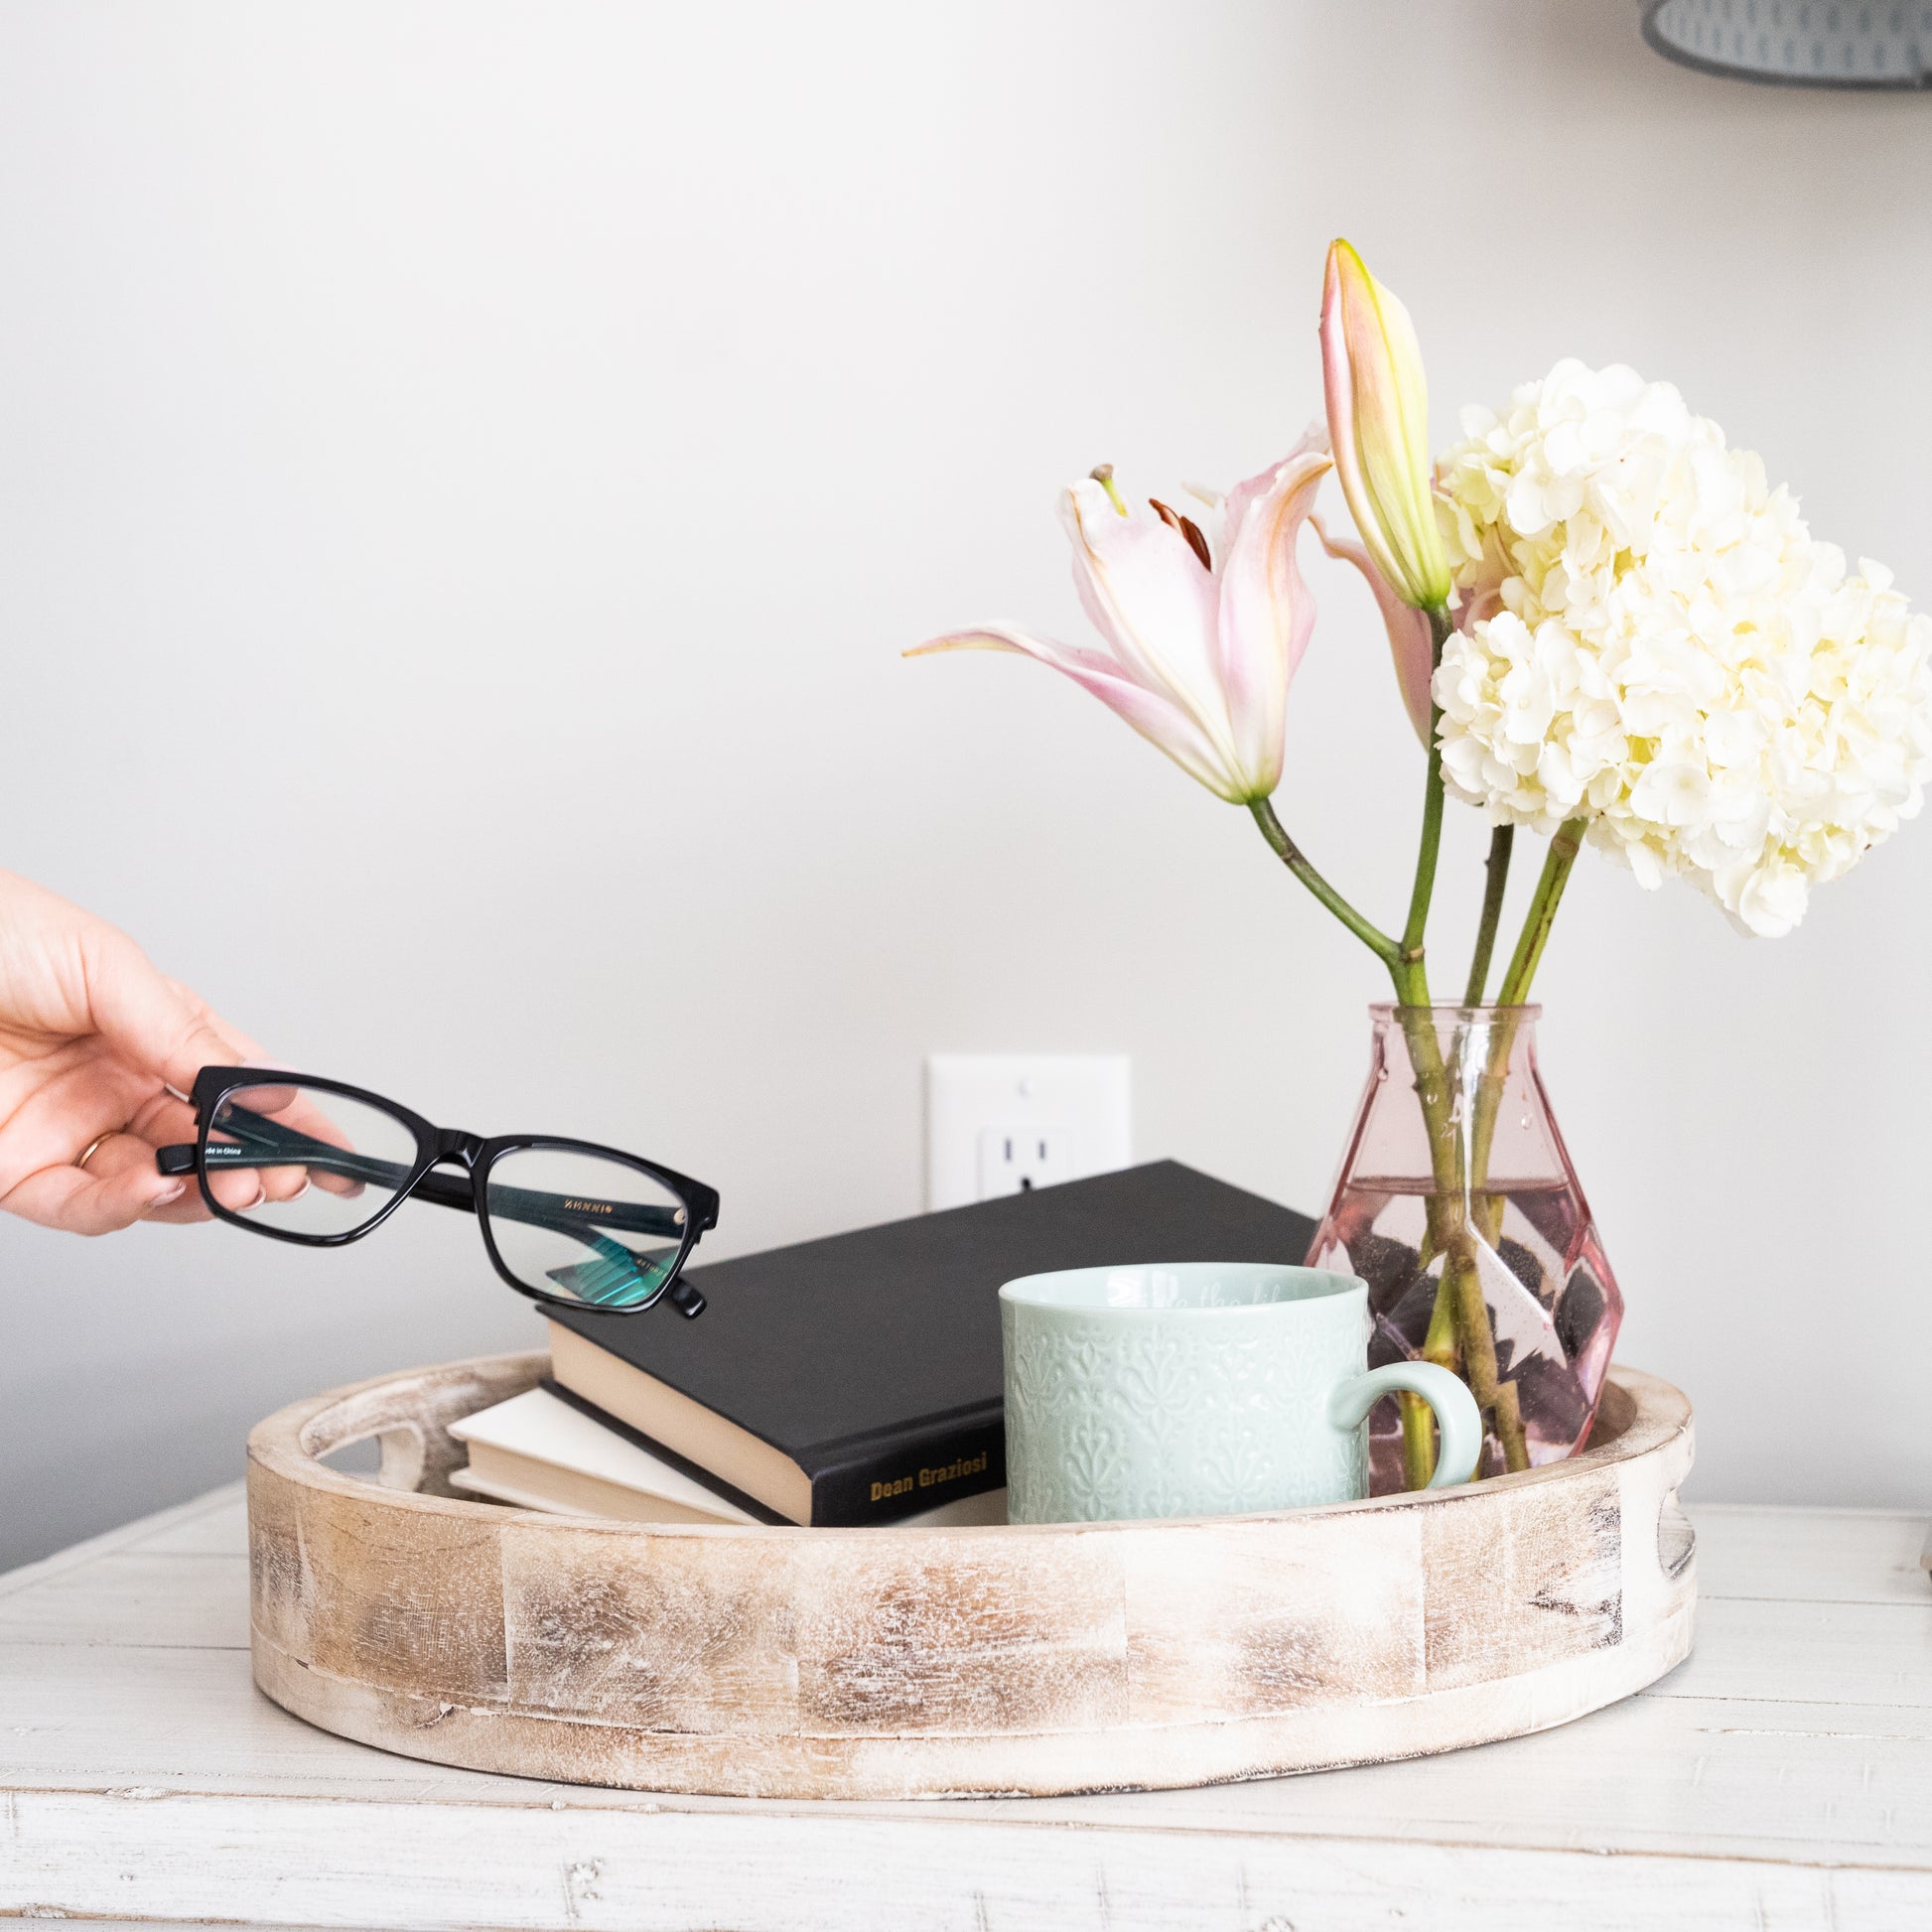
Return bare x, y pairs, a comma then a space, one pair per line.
92, 1148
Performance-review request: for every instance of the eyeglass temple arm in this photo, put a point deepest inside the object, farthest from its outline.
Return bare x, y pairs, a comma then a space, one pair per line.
444, 1189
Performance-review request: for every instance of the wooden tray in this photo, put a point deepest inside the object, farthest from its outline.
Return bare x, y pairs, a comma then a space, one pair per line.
923, 1662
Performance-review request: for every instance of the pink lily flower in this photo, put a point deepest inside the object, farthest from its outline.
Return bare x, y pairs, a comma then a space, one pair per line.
1202, 629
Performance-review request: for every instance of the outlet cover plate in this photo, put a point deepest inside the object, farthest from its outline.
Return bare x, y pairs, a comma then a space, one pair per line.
1082, 1099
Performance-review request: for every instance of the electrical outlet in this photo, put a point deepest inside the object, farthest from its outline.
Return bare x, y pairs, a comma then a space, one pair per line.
1017, 1159
1004, 1124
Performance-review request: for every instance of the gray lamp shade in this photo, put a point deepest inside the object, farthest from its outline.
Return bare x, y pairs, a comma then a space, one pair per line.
1798, 42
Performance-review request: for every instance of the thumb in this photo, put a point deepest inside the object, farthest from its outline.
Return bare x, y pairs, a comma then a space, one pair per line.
153, 1021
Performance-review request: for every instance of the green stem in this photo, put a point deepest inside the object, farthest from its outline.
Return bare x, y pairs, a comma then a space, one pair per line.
1417, 1425
1386, 949
1562, 855
1414, 932
1500, 842
1485, 1209
1461, 1215
1418, 1440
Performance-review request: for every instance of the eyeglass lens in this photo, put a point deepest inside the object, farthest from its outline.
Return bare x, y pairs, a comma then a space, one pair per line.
583, 1229
307, 1161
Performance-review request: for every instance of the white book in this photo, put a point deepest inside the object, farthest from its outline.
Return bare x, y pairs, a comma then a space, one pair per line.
539, 1452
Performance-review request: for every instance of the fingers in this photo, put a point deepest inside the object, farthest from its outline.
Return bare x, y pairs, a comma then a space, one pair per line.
89, 1030
243, 1049
55, 1105
163, 1121
152, 1021
183, 1212
120, 1186
237, 1188
300, 1111
117, 1188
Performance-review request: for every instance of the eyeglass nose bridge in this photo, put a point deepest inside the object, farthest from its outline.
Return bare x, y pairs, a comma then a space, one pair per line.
452, 1144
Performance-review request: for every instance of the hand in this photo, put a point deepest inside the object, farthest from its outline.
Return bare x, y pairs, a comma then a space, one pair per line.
91, 1035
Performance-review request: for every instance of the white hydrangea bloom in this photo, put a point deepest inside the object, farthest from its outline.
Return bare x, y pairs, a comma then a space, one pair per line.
1652, 639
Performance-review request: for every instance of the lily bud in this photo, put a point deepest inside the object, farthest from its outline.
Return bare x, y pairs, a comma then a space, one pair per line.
1378, 427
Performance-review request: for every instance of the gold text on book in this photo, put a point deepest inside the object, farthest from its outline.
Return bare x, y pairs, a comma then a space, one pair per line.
966, 1466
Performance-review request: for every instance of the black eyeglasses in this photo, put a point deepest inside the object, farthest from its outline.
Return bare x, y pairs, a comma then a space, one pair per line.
567, 1223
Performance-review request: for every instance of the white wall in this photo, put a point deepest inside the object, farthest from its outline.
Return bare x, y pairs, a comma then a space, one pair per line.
467, 473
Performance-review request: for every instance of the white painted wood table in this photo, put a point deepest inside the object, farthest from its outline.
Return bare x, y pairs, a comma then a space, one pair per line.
1780, 1780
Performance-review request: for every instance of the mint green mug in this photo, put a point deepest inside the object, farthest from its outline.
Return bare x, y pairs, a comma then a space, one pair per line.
1200, 1389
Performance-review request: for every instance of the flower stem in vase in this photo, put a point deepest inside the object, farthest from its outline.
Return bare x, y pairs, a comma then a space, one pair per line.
1418, 1420
1487, 1208
1434, 1097
1496, 881
1562, 855
1483, 1207
1462, 1217
1417, 1442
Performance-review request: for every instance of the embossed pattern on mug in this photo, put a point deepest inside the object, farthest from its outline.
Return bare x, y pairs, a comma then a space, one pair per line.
1110, 1419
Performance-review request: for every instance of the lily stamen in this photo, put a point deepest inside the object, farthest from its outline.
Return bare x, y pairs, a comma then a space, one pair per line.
1187, 527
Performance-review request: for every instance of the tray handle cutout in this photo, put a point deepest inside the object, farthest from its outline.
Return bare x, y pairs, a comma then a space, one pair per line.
1676, 1540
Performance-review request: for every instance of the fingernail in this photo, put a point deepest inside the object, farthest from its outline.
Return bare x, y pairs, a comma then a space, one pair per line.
169, 1194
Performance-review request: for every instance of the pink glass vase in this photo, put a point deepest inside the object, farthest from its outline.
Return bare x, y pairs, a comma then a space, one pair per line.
1458, 1204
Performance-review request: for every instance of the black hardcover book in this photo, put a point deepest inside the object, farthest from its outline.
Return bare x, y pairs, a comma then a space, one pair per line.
858, 1379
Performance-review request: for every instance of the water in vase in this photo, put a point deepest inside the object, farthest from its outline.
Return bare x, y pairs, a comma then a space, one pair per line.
1455, 1134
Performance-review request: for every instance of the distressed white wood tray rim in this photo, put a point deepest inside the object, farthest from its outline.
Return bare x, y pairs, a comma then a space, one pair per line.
864, 1663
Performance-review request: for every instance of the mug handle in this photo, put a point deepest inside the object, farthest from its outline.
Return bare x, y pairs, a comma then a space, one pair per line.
1456, 1414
